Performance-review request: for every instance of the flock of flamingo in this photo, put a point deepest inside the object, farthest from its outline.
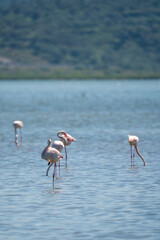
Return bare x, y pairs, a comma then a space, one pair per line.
52, 154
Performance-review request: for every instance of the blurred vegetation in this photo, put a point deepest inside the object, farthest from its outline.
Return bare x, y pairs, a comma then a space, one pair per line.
79, 38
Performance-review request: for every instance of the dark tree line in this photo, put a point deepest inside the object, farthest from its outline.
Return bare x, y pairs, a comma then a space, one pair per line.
107, 35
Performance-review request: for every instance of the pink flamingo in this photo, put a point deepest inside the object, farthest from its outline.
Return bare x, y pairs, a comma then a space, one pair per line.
133, 140
69, 139
18, 124
59, 145
51, 155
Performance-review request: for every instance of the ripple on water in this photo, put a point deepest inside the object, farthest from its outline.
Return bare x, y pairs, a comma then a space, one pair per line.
98, 196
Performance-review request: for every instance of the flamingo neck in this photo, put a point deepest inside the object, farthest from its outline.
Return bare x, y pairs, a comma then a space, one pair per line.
62, 139
60, 133
45, 150
140, 155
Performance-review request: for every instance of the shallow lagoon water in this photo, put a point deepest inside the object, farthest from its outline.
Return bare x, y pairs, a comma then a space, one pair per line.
99, 195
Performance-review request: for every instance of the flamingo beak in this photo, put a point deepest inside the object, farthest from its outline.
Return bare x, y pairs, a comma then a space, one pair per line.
61, 157
73, 140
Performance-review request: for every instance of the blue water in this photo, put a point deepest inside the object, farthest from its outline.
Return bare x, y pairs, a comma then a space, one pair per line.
99, 195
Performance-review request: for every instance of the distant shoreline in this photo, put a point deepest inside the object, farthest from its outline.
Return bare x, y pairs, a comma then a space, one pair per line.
48, 74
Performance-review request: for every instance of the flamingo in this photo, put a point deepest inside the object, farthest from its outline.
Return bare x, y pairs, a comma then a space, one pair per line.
51, 155
18, 124
133, 140
59, 145
68, 138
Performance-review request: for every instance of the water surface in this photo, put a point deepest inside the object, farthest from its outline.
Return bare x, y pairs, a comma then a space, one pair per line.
98, 196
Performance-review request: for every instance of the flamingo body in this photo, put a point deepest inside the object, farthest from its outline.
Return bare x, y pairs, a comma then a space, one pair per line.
59, 145
133, 140
51, 154
18, 124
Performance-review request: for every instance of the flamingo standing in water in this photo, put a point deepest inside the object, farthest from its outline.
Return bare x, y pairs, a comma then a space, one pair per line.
133, 140
51, 155
18, 124
59, 145
68, 139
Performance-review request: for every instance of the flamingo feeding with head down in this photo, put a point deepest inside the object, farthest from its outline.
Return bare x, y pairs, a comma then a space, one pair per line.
18, 124
59, 145
69, 139
133, 140
51, 155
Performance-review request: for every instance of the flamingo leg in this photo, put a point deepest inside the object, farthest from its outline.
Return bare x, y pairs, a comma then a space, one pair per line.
16, 140
20, 135
66, 154
56, 169
16, 137
131, 156
59, 168
49, 168
54, 173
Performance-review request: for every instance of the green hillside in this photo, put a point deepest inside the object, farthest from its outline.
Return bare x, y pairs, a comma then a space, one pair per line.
79, 38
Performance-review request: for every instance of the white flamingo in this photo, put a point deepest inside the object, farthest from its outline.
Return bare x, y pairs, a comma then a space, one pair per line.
59, 145
69, 139
133, 140
18, 124
51, 155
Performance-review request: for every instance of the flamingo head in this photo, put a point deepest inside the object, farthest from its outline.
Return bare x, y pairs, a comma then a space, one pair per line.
70, 139
49, 142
